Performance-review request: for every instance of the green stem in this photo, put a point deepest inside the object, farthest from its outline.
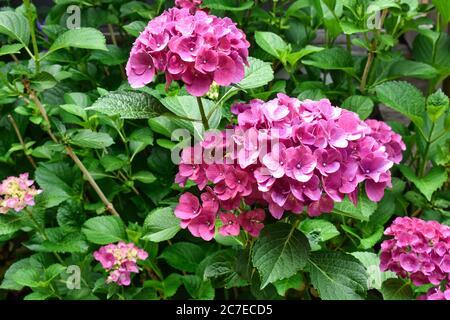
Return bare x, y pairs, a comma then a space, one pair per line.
27, 4
372, 52
427, 150
349, 50
202, 113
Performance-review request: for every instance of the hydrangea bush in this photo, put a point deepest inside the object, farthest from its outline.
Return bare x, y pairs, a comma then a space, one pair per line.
225, 149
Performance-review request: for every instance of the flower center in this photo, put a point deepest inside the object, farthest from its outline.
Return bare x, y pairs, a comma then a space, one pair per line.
298, 165
367, 171
324, 164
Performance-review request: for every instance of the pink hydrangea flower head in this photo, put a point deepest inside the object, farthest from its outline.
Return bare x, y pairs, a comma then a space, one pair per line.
419, 250
290, 155
190, 45
17, 193
120, 260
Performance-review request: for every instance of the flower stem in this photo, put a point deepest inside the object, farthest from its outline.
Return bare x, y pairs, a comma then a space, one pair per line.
109, 206
372, 52
427, 149
202, 113
22, 143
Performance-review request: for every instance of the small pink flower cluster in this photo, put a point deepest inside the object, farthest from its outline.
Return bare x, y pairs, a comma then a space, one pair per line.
322, 154
120, 260
200, 219
17, 193
420, 250
196, 48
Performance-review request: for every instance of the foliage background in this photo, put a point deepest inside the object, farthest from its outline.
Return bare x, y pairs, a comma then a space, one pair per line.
121, 136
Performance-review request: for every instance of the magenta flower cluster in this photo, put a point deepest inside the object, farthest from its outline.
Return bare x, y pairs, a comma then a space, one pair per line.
322, 153
196, 48
419, 250
16, 193
120, 260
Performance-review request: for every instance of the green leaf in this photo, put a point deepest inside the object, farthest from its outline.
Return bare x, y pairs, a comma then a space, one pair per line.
371, 263
279, 253
113, 163
362, 212
396, 289
293, 57
162, 125
59, 240
410, 68
197, 288
71, 216
443, 6
10, 49
335, 58
104, 230
85, 38
169, 285
228, 240
144, 177
10, 223
160, 225
403, 97
432, 48
56, 179
75, 109
35, 271
79, 98
139, 140
428, 184
37, 295
272, 44
227, 5
222, 266
337, 276
135, 28
257, 75
42, 81
284, 285
127, 104
362, 105
370, 241
89, 139
329, 12
318, 230
184, 256
187, 107
15, 26
112, 57
351, 28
